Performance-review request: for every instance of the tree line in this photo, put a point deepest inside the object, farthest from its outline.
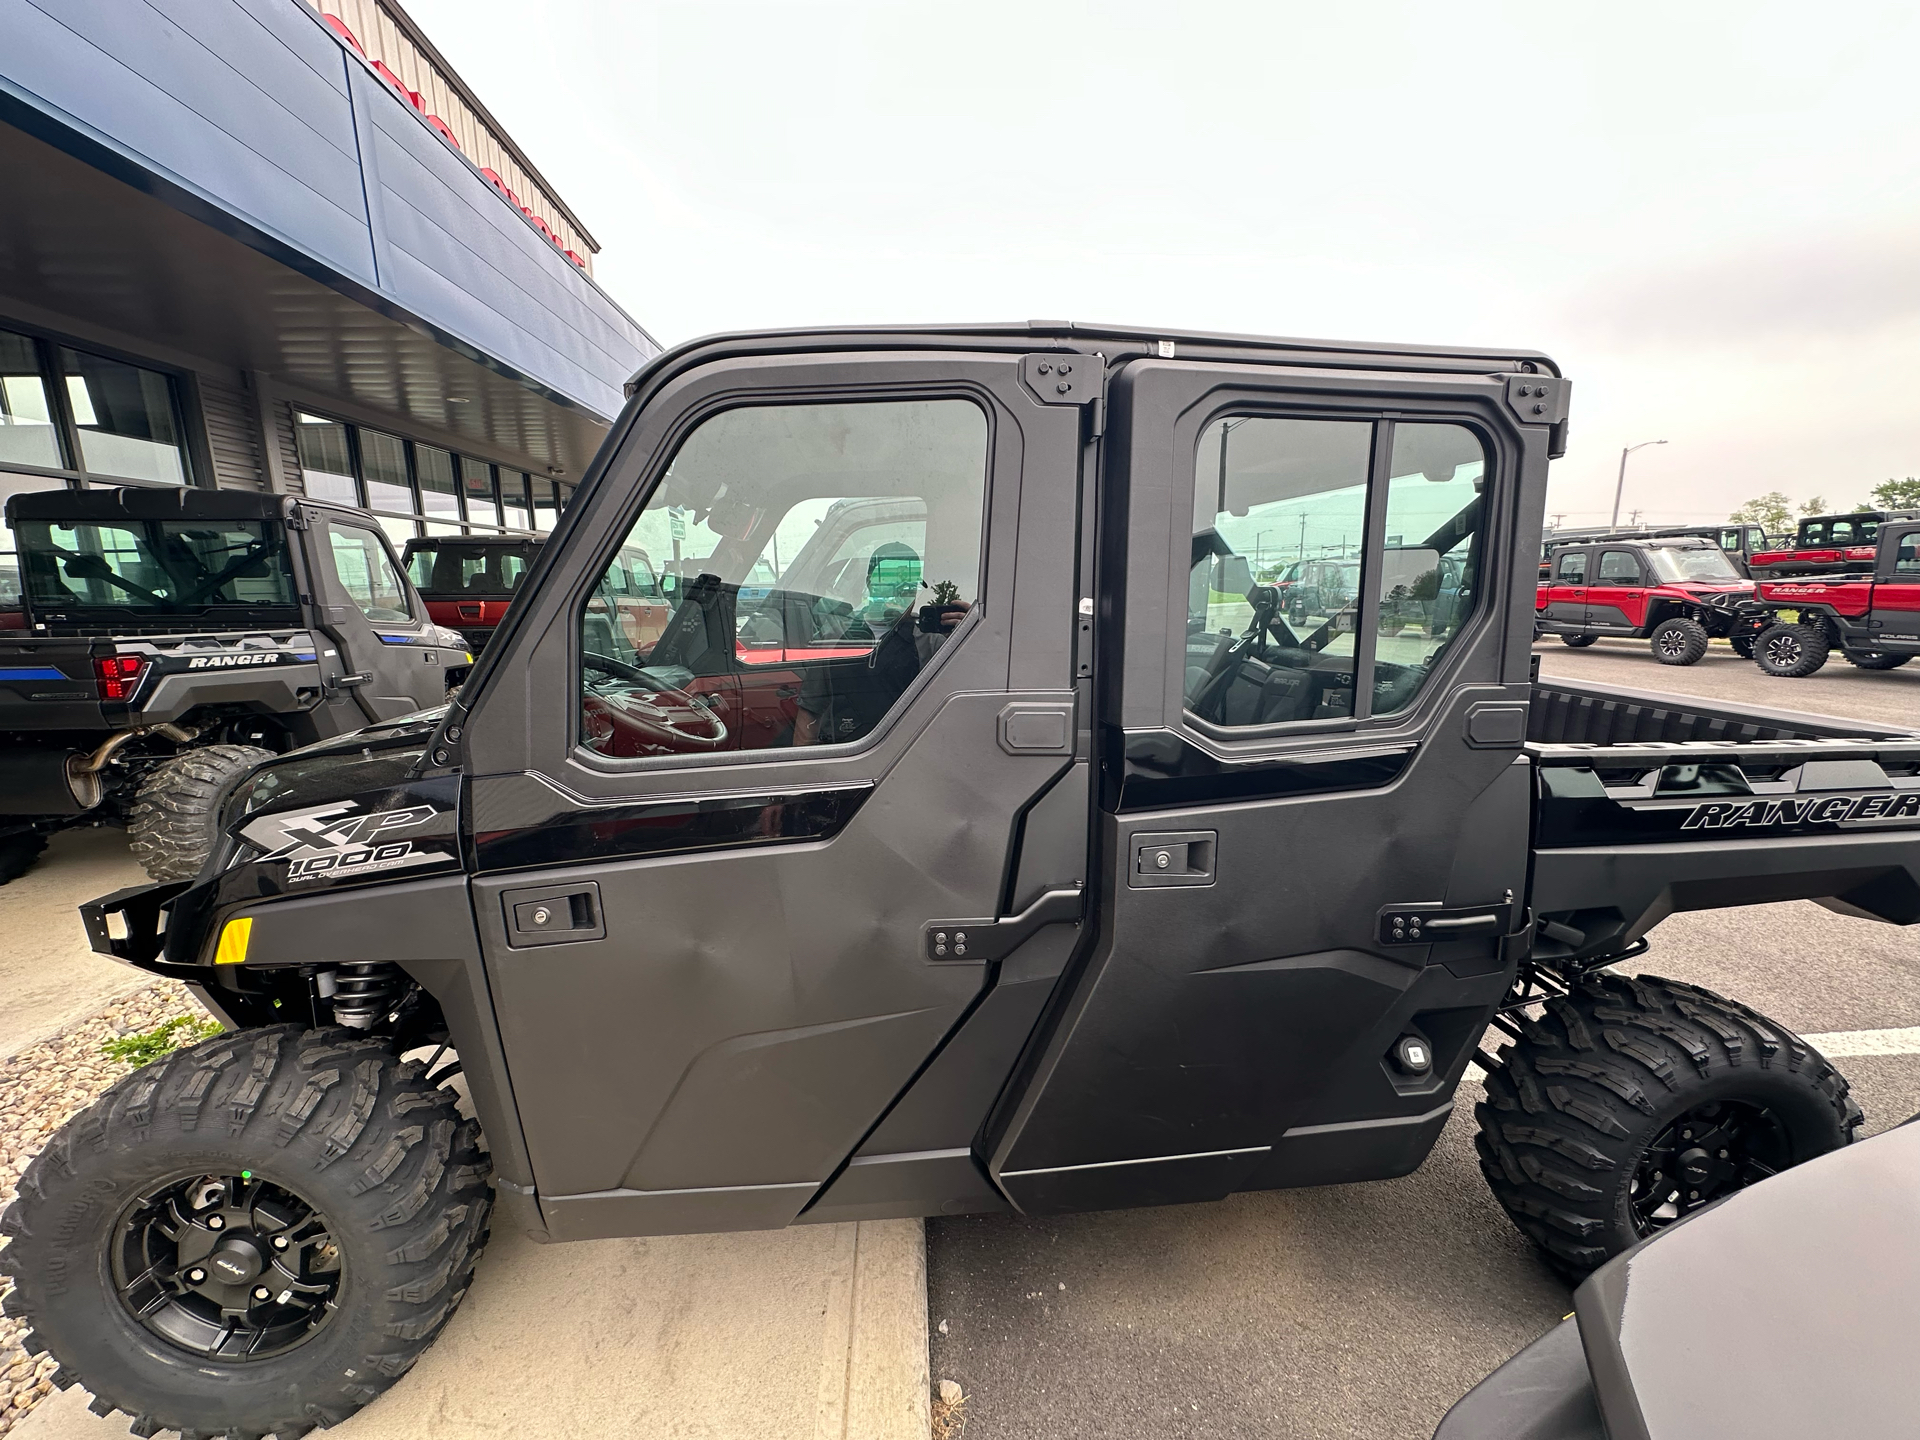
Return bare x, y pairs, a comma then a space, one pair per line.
1774, 511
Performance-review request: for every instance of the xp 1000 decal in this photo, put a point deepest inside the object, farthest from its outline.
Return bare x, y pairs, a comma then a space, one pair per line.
327, 842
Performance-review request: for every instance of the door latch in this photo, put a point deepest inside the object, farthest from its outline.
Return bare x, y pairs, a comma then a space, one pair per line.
1179, 857
553, 914
1429, 923
986, 940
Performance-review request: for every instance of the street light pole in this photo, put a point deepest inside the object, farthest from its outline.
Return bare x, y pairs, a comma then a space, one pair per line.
1621, 484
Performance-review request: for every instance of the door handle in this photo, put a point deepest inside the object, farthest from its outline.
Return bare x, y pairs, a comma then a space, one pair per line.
553, 914
347, 682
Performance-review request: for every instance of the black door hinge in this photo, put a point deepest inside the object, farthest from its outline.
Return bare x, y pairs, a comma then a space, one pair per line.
1068, 379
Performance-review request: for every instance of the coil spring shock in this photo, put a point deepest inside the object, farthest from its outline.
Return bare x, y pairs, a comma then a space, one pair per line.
365, 992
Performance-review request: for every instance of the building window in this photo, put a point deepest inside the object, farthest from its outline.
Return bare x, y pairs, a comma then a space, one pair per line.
412, 488
71, 410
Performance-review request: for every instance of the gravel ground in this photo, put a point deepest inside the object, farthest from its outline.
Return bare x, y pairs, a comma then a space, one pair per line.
40, 1088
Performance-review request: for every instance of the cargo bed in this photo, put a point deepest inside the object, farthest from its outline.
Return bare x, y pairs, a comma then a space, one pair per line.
1647, 804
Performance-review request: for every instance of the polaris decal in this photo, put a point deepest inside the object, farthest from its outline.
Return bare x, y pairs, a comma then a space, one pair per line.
1821, 810
222, 662
328, 841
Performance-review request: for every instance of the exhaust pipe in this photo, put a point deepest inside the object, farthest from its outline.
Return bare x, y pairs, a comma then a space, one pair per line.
67, 782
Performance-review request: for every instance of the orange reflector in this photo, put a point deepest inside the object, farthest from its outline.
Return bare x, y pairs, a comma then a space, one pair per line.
233, 942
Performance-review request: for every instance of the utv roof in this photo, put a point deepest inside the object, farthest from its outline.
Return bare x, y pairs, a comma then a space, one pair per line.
1114, 341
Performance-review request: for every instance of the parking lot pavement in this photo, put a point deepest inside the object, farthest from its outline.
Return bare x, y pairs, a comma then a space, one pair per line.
48, 976
814, 1332
1365, 1310
1891, 697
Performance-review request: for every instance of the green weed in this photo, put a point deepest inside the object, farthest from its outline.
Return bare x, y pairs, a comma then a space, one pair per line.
161, 1041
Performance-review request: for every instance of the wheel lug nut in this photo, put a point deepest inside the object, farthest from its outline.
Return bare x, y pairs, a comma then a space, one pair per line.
216, 1222
196, 1276
280, 1241
1723, 1154
1693, 1194
260, 1292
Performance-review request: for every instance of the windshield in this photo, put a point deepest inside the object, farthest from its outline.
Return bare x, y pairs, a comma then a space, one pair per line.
1709, 565
453, 567
154, 565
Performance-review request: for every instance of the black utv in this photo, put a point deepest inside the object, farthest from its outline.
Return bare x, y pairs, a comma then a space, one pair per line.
168, 640
973, 835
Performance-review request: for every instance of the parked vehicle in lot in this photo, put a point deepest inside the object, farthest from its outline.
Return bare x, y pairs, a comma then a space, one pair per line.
1703, 1333
1738, 541
1873, 620
172, 639
1829, 545
1048, 897
468, 581
1317, 587
1675, 593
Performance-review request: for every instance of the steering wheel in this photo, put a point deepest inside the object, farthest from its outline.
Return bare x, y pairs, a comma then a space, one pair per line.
668, 722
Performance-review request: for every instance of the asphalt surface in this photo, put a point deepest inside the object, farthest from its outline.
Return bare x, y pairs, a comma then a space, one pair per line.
1366, 1310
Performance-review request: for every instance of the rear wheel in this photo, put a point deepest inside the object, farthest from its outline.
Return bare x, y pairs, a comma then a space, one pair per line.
171, 829
1678, 641
1632, 1103
1792, 651
1742, 643
257, 1235
1863, 661
1578, 642
18, 852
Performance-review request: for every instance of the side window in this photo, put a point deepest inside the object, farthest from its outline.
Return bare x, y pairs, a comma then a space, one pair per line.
820, 557
1573, 568
1813, 534
1840, 532
1269, 491
1906, 559
1756, 539
1618, 567
1867, 532
420, 568
368, 573
1730, 540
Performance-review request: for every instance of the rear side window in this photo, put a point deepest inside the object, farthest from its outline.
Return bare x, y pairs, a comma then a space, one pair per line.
1572, 569
1906, 559
367, 573
1279, 587
1756, 539
1619, 567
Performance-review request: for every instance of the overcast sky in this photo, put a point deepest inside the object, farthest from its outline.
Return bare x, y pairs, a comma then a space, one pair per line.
1708, 214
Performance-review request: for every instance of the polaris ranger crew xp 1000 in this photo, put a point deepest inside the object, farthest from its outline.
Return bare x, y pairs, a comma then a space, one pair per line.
974, 835
169, 639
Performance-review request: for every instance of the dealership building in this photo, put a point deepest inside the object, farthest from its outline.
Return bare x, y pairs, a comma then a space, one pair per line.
271, 245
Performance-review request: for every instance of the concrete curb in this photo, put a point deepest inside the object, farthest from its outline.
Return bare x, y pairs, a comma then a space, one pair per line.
873, 1363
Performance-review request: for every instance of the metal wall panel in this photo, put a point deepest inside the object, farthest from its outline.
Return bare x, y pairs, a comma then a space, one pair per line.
228, 412
252, 108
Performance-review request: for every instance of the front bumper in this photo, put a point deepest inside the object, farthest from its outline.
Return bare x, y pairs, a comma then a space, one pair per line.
143, 910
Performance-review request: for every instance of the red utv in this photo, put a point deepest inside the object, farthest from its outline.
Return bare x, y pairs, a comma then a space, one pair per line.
1829, 545
1873, 620
468, 580
1676, 593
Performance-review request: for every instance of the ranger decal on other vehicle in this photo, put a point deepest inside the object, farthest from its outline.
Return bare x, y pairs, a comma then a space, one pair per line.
1821, 810
328, 840
220, 662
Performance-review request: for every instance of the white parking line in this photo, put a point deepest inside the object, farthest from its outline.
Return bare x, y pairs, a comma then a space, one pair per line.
1842, 1043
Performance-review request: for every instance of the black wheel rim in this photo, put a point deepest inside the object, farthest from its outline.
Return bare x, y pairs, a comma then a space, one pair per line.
227, 1267
1783, 649
1706, 1155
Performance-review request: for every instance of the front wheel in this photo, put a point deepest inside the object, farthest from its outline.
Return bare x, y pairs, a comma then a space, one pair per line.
1863, 661
1792, 651
1578, 642
257, 1235
171, 828
18, 852
1632, 1103
1742, 643
1678, 641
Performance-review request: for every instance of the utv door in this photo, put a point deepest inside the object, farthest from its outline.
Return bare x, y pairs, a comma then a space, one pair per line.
1567, 595
737, 885
1617, 598
1896, 586
1311, 843
375, 617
